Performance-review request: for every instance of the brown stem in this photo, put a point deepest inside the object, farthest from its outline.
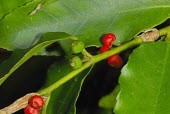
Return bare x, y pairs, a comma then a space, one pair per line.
17, 105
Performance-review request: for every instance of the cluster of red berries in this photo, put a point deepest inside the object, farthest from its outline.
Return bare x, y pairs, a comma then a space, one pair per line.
35, 103
114, 60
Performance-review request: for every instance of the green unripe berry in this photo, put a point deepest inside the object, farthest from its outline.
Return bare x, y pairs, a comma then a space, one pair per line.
77, 47
76, 62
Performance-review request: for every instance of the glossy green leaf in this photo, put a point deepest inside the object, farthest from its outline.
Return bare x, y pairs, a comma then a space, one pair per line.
85, 19
14, 63
144, 81
62, 100
108, 101
8, 6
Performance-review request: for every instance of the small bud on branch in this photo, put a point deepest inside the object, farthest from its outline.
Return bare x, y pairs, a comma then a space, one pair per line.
150, 35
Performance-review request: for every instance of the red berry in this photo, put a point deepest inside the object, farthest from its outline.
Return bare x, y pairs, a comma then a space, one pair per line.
108, 39
36, 102
104, 48
115, 60
30, 110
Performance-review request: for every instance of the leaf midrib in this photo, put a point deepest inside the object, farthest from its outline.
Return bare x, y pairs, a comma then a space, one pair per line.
131, 10
121, 11
97, 15
118, 11
144, 8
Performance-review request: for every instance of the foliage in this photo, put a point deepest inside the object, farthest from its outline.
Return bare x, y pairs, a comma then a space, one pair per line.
148, 82
29, 27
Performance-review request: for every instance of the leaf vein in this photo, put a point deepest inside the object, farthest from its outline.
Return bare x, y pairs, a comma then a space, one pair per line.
81, 25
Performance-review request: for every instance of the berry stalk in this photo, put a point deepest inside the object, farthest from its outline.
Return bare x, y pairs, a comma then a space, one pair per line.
147, 36
116, 50
23, 102
153, 34
91, 62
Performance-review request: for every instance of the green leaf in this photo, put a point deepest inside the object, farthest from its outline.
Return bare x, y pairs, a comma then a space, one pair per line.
85, 19
7, 6
14, 63
144, 81
108, 101
62, 100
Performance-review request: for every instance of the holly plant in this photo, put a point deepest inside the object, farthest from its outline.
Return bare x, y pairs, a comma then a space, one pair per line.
84, 56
